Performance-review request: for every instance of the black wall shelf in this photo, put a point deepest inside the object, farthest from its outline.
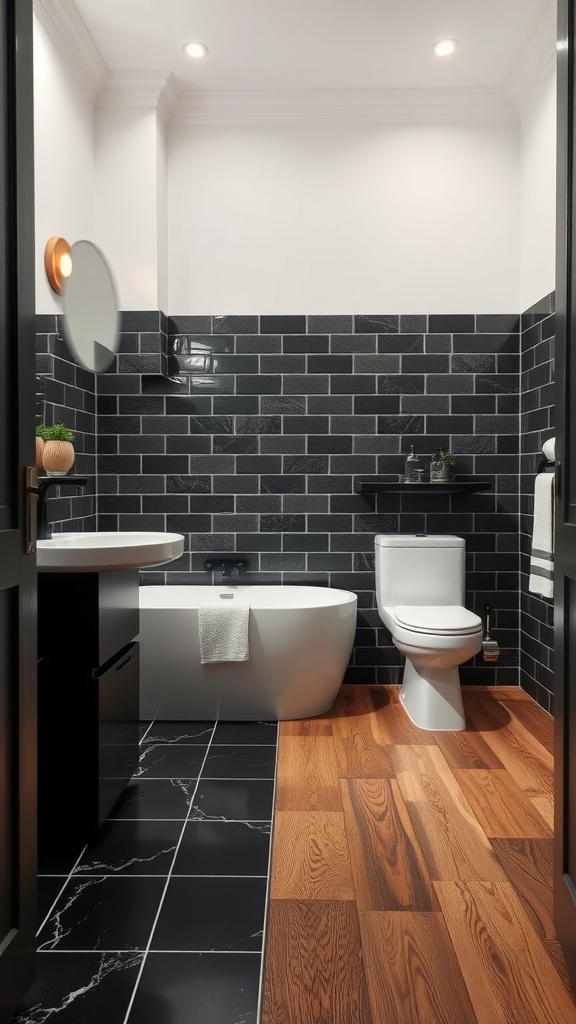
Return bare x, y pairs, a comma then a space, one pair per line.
377, 485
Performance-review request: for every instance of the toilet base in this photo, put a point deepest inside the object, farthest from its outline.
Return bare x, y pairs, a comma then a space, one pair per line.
432, 698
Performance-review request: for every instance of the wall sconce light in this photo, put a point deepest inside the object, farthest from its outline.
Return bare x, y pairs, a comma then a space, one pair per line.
57, 262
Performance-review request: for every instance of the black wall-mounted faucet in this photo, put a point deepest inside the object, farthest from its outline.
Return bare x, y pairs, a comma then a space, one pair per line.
45, 483
227, 567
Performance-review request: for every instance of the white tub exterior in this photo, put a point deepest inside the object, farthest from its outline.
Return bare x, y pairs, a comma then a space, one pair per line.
300, 641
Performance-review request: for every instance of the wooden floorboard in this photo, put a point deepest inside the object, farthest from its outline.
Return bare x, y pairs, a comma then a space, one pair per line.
311, 859
451, 838
307, 778
501, 807
315, 970
388, 867
412, 970
528, 865
411, 870
505, 967
520, 752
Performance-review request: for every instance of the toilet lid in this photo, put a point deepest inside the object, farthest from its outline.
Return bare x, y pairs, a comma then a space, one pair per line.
448, 619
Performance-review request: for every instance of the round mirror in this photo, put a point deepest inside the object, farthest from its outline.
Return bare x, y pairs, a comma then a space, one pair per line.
91, 308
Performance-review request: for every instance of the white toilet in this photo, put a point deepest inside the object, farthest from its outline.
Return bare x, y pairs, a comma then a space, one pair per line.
420, 593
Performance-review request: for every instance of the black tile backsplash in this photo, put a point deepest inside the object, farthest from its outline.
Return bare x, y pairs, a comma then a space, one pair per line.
66, 393
258, 457
536, 426
268, 445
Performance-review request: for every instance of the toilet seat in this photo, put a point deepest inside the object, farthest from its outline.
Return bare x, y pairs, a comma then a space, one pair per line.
442, 620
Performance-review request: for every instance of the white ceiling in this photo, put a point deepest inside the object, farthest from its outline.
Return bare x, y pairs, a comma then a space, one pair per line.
318, 44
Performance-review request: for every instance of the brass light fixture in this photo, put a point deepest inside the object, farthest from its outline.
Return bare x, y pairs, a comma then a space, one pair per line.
57, 262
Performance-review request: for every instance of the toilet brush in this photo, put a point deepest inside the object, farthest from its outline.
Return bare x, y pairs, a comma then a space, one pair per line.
490, 649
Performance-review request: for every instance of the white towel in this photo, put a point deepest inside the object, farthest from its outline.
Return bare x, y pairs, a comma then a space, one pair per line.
223, 631
542, 560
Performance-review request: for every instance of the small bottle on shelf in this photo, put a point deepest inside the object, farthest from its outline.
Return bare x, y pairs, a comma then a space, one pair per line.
412, 467
437, 467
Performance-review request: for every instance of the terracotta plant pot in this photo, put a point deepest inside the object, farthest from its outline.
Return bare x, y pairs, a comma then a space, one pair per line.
58, 457
40, 452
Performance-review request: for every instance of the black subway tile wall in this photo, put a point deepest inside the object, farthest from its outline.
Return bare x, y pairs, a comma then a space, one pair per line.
537, 425
258, 456
65, 393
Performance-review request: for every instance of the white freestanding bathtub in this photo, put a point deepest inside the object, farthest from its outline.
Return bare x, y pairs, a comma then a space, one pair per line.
300, 642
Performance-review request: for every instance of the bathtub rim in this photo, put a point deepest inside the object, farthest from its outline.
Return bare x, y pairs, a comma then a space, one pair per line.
342, 597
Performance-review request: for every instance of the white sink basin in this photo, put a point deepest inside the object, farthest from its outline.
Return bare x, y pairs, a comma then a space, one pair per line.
106, 552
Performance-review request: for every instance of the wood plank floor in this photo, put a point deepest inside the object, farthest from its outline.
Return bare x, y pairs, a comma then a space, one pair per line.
411, 871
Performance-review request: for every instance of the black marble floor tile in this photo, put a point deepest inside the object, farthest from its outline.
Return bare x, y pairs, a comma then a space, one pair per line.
200, 914
246, 732
208, 988
170, 761
143, 728
48, 889
234, 800
80, 988
179, 732
155, 798
103, 914
245, 762
215, 901
132, 848
224, 848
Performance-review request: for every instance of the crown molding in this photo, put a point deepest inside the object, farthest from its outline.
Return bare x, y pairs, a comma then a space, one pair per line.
158, 89
342, 106
70, 35
536, 60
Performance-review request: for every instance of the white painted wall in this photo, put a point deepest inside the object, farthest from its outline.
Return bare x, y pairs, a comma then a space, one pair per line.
64, 158
162, 212
343, 218
538, 190
292, 218
126, 201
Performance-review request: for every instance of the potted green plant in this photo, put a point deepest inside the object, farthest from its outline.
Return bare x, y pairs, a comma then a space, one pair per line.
58, 452
40, 431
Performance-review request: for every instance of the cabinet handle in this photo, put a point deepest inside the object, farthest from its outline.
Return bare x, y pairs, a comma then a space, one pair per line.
32, 493
124, 661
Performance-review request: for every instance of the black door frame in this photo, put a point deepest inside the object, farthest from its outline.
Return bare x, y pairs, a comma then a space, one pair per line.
17, 568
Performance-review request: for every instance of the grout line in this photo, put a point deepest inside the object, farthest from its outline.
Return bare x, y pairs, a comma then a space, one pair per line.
232, 952
267, 893
68, 877
98, 874
237, 746
166, 884
212, 821
142, 738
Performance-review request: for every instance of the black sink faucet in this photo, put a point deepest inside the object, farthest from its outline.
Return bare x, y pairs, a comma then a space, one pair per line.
45, 483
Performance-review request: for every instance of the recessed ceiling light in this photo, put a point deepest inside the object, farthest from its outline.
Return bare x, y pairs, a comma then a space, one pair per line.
196, 50
444, 47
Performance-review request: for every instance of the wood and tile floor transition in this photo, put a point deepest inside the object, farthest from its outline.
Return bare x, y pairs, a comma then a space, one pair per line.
410, 878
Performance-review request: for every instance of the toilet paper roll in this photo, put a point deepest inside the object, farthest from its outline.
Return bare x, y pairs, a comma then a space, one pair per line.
549, 449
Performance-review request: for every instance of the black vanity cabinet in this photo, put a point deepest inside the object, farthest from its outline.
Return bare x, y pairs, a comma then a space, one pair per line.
88, 686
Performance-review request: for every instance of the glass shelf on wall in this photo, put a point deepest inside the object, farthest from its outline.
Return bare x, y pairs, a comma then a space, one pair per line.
381, 484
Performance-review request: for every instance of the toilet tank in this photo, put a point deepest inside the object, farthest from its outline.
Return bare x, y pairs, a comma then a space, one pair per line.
419, 569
